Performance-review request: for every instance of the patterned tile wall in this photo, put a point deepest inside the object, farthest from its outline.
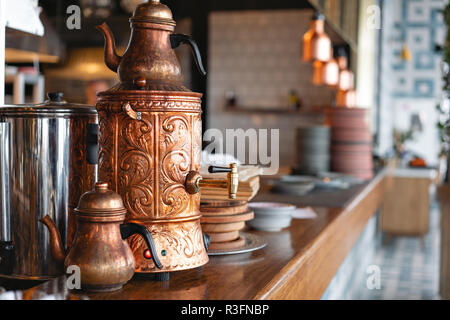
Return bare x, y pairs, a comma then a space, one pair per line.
411, 86
419, 24
256, 54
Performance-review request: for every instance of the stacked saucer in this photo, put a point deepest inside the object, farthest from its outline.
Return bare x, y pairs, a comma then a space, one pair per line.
351, 147
313, 150
222, 221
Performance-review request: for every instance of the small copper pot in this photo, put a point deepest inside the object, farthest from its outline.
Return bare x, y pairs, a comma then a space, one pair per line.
105, 260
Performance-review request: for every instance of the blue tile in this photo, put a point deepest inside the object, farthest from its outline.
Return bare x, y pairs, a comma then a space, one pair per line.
424, 60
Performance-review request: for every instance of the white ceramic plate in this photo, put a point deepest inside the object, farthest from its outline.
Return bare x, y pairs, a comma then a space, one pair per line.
271, 216
296, 185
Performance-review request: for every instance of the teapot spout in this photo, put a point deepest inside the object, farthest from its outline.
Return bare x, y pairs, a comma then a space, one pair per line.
112, 59
56, 244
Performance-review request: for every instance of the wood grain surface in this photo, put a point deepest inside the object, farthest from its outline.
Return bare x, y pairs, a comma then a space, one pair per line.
406, 206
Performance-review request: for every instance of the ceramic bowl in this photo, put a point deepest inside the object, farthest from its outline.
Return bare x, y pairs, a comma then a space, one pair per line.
294, 185
271, 216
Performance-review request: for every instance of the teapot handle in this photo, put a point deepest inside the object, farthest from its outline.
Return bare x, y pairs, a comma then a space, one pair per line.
129, 229
177, 39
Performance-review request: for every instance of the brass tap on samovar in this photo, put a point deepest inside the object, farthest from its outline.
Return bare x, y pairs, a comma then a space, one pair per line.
150, 141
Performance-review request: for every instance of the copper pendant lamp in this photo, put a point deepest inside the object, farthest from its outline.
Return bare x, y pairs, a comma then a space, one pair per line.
346, 98
317, 78
326, 73
330, 73
346, 77
316, 43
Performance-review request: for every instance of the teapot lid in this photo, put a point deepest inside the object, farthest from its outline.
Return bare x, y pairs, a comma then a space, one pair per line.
101, 202
153, 11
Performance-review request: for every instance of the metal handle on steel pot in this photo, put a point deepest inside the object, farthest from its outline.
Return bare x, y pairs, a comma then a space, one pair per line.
129, 229
177, 39
92, 143
6, 245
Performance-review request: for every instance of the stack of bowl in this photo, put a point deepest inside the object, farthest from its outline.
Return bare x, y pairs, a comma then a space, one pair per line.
351, 146
222, 221
313, 150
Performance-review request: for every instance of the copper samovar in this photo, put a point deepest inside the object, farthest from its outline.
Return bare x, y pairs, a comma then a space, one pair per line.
150, 141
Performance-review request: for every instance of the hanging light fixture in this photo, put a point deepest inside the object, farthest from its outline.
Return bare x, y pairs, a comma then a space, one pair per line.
326, 73
346, 77
330, 72
316, 43
317, 78
347, 99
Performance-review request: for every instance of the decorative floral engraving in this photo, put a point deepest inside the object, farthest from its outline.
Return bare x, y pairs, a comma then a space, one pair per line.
106, 169
81, 174
77, 148
175, 164
147, 162
136, 165
186, 242
197, 142
192, 105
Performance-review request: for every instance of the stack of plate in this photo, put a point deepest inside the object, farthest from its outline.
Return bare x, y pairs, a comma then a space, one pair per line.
351, 147
313, 149
222, 221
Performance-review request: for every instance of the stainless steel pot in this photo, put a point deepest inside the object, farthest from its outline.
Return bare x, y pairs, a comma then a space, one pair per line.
48, 158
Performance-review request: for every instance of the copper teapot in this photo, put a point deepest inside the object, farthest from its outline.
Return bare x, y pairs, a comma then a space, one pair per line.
150, 61
105, 260
150, 141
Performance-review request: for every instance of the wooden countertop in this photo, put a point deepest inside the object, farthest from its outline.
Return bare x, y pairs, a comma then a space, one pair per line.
298, 262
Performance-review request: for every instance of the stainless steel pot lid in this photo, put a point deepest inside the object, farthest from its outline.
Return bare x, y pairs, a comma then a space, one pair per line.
54, 105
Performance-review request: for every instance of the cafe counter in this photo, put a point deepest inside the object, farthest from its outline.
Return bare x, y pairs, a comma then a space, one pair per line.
298, 263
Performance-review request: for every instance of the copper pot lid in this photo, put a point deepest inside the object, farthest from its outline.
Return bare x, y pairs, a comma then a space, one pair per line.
54, 105
101, 202
153, 11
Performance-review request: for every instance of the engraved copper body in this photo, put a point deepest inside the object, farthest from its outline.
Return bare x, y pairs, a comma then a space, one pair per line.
150, 137
146, 161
